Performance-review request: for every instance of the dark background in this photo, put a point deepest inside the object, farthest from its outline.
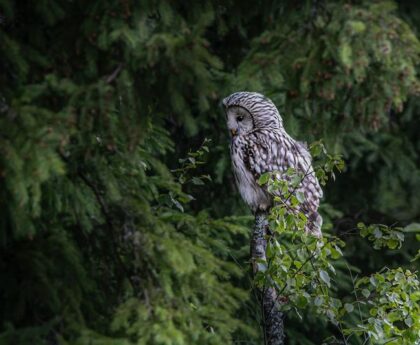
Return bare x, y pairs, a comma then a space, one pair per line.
103, 240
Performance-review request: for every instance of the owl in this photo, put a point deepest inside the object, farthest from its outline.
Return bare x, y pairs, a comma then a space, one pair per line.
260, 144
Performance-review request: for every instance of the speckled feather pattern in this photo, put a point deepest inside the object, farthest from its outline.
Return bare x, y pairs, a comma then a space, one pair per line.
268, 148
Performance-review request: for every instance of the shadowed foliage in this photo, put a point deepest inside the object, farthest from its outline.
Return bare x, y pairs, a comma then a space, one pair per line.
120, 222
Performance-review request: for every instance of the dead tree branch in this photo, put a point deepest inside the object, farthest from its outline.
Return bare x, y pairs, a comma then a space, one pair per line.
272, 316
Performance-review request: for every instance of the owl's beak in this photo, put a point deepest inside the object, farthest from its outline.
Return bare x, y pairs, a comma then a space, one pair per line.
234, 131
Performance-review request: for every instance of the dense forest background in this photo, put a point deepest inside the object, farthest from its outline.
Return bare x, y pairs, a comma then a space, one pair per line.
119, 219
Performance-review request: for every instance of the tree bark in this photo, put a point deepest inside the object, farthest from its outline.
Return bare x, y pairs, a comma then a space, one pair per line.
273, 325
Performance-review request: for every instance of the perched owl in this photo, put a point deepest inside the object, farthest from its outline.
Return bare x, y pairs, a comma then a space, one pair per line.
260, 144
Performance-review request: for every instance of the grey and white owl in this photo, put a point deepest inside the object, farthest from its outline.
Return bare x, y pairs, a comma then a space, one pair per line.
260, 144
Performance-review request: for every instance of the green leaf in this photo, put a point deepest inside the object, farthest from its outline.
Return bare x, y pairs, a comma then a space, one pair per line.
264, 178
318, 301
346, 53
325, 277
413, 227
301, 301
408, 321
300, 196
366, 293
296, 180
392, 244
197, 181
349, 307
357, 26
377, 233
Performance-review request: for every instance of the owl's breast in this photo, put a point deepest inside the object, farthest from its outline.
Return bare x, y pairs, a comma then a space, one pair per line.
251, 192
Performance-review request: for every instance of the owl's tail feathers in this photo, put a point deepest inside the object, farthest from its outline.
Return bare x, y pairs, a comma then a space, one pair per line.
314, 224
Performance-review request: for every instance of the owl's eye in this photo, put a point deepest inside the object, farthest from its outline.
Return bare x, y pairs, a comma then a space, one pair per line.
240, 118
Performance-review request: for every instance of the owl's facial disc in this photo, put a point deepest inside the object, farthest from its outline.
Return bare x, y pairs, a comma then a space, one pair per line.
239, 121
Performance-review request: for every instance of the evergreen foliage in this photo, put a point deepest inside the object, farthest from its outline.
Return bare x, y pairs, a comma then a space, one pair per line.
120, 223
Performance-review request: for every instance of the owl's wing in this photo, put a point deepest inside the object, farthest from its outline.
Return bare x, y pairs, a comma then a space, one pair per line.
276, 152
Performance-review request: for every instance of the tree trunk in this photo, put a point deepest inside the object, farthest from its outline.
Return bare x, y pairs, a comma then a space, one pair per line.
272, 317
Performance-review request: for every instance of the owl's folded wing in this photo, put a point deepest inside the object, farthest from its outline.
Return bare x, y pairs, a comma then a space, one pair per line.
272, 152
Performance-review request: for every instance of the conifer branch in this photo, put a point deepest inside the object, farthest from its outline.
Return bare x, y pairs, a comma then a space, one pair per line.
110, 224
108, 220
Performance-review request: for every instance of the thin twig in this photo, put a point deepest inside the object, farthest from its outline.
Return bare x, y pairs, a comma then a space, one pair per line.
109, 79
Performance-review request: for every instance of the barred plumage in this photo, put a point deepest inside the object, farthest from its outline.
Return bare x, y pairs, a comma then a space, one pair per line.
260, 144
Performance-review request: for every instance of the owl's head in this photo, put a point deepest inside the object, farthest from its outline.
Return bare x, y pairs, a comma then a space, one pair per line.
246, 111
